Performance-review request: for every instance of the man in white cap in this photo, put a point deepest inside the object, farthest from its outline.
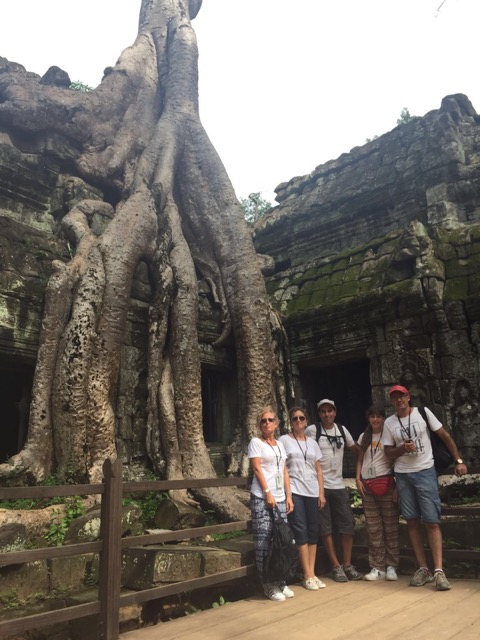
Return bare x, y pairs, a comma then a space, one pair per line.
332, 439
407, 443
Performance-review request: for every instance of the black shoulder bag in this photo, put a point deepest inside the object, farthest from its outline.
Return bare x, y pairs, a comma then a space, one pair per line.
282, 557
441, 455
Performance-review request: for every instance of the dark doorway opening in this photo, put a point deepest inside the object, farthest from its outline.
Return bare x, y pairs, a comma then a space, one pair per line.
347, 384
219, 405
15, 395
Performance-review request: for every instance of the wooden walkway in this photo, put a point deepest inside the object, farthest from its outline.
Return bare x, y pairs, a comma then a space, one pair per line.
355, 610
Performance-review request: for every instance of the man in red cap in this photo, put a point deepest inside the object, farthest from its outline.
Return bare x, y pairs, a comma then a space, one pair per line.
407, 443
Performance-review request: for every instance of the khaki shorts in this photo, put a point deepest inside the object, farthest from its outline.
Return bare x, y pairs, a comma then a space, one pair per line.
337, 514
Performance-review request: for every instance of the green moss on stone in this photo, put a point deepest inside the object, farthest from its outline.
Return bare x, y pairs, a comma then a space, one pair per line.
455, 289
353, 272
298, 304
318, 297
307, 288
349, 289
462, 267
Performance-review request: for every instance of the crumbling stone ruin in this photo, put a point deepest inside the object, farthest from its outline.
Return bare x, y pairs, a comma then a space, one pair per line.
376, 274
377, 259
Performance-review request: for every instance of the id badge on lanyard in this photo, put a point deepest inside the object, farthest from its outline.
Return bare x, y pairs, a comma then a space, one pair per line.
279, 482
371, 472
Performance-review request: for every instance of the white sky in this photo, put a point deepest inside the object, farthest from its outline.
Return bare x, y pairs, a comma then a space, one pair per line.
285, 85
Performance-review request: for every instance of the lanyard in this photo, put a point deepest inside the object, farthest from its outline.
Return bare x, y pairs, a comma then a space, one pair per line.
301, 450
277, 458
331, 439
406, 430
372, 450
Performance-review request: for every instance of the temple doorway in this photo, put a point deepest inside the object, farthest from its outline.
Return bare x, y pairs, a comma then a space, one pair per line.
347, 384
15, 394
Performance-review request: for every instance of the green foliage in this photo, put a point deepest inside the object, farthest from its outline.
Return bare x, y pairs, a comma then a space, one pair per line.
371, 139
405, 116
58, 527
227, 536
148, 505
254, 207
220, 603
355, 498
80, 86
35, 503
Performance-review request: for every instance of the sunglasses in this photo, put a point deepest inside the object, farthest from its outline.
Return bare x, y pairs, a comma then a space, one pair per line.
298, 418
265, 420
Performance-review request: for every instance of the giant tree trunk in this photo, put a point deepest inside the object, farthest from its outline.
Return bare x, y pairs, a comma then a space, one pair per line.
138, 138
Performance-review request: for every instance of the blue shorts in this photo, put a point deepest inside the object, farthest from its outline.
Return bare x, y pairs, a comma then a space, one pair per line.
304, 519
418, 495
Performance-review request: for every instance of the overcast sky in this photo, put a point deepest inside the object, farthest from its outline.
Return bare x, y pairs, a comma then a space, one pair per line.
285, 85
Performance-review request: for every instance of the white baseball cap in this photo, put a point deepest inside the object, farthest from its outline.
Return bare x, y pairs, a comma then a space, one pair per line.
326, 401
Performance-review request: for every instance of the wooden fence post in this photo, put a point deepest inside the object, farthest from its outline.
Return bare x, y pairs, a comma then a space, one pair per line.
111, 554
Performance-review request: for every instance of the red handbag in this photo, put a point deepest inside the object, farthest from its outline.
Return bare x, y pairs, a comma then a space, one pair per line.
379, 486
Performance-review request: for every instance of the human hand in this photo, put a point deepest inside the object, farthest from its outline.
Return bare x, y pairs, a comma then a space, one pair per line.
360, 486
321, 501
461, 469
290, 505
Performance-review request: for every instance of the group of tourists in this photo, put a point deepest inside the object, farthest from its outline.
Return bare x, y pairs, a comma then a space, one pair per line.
301, 474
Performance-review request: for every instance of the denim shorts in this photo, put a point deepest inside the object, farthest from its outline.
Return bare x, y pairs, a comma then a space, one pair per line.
304, 519
418, 495
337, 514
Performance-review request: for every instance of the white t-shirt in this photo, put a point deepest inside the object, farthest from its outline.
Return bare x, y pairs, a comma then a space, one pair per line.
301, 458
375, 462
413, 426
272, 464
332, 456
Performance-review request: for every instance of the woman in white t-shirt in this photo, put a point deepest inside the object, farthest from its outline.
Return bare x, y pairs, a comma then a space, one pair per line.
270, 488
376, 483
306, 481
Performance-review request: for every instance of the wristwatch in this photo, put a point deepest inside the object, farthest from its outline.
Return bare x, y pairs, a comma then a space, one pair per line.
267, 490
458, 461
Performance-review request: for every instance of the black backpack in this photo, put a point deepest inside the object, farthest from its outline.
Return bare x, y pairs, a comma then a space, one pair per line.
319, 433
441, 455
282, 555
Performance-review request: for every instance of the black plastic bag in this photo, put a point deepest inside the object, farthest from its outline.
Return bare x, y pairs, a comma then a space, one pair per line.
282, 557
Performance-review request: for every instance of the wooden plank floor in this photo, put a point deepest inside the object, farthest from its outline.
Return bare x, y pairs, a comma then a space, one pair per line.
359, 610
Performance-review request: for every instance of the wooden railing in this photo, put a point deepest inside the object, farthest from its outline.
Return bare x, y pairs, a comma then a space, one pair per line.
110, 547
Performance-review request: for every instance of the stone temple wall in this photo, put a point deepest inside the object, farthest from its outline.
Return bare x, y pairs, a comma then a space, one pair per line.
377, 259
377, 277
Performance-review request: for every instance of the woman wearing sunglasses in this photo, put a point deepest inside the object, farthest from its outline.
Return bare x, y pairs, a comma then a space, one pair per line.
270, 488
306, 478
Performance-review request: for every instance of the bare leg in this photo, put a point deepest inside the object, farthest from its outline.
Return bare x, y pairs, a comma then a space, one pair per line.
416, 540
304, 557
330, 549
434, 534
312, 554
347, 544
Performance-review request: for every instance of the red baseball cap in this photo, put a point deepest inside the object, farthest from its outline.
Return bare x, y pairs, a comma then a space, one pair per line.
399, 388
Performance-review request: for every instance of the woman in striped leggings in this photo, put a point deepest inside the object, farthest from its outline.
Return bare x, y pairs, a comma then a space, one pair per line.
375, 481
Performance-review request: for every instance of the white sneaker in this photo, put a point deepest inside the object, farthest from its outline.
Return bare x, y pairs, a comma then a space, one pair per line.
287, 592
391, 574
321, 585
375, 574
273, 592
310, 584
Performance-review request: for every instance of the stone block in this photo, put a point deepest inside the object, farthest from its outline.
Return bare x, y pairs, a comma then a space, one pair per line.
67, 574
145, 567
24, 581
